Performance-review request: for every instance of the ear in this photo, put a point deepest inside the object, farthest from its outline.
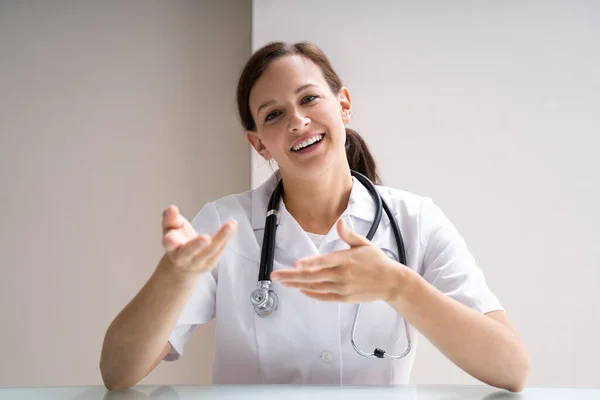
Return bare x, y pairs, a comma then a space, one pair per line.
260, 148
345, 105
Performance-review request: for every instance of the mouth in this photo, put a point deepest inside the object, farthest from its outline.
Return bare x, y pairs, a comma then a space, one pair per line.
308, 143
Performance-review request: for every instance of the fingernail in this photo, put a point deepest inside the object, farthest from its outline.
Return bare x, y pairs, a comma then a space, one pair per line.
229, 226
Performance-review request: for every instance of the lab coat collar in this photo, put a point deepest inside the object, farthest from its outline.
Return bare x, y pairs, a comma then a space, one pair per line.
361, 205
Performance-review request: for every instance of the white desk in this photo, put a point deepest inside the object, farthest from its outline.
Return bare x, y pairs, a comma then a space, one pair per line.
285, 392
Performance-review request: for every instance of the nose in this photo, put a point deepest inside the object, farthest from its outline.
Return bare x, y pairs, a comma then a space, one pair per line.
297, 121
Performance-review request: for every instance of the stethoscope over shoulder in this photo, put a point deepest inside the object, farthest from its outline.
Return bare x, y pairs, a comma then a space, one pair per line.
265, 301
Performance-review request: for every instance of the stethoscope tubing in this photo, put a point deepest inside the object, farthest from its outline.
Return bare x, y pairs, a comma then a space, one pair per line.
266, 301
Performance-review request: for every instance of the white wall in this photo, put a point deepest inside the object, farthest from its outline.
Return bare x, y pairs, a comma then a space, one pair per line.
492, 109
109, 112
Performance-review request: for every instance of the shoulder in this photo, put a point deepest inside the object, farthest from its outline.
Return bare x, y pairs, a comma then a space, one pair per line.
247, 207
403, 202
213, 214
401, 197
421, 210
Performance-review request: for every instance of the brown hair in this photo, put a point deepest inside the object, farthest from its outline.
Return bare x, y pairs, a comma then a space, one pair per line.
357, 152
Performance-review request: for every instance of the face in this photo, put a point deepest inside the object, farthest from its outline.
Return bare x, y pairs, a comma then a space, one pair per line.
299, 121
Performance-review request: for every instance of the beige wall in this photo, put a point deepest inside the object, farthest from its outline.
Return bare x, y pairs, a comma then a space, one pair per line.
109, 112
490, 108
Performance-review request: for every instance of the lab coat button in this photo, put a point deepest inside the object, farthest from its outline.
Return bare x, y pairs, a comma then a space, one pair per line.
326, 356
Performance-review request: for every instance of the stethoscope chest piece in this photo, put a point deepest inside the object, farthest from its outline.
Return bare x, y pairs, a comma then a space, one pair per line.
390, 254
264, 300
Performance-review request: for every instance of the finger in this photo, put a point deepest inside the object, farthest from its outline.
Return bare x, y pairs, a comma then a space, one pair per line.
317, 287
185, 253
349, 236
224, 235
171, 218
307, 275
219, 241
328, 260
172, 239
324, 296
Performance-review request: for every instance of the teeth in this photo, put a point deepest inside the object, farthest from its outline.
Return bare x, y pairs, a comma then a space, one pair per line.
307, 142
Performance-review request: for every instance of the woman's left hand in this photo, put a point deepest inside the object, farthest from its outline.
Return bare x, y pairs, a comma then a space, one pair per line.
362, 273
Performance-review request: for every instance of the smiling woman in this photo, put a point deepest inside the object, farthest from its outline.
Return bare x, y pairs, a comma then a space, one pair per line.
294, 109
307, 75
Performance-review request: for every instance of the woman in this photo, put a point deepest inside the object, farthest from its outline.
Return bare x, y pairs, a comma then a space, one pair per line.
294, 108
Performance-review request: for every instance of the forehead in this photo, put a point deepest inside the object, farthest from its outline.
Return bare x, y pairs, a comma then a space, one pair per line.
283, 76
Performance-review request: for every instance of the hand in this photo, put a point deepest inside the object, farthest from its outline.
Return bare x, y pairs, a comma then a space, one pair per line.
188, 251
360, 274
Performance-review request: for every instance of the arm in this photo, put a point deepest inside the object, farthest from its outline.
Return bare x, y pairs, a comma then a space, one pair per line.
137, 340
480, 342
483, 345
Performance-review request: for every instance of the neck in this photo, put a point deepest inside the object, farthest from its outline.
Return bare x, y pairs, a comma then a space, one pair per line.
316, 204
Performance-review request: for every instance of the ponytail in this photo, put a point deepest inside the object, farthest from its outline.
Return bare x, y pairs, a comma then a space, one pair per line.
359, 156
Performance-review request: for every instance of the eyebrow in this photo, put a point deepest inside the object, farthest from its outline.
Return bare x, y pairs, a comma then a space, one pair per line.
271, 102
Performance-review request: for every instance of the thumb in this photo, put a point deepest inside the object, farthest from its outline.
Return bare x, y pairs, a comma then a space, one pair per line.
349, 236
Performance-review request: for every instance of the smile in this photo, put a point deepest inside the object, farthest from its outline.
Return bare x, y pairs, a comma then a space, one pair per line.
308, 142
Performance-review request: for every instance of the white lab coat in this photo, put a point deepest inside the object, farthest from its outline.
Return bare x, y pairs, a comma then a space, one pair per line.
308, 341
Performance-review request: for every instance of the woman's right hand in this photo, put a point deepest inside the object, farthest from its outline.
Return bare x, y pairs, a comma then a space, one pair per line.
189, 252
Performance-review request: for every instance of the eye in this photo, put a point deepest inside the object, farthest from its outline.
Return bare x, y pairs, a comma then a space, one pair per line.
309, 99
272, 115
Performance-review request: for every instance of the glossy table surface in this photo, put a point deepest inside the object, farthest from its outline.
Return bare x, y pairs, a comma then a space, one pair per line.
281, 392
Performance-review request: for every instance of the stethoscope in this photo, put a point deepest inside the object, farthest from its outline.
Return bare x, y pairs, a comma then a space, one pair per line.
266, 301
